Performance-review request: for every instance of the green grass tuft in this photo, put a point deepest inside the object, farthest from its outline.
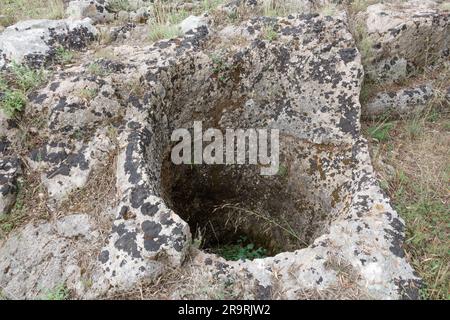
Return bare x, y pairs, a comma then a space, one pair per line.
17, 10
64, 56
381, 132
164, 31
13, 102
60, 292
27, 78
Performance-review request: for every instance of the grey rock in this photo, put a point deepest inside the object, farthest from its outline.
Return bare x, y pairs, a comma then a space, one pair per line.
41, 257
95, 10
305, 82
10, 170
404, 37
193, 22
66, 168
34, 41
403, 102
140, 16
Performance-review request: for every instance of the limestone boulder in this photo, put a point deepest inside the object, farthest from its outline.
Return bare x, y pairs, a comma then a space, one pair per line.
403, 37
406, 101
41, 257
34, 42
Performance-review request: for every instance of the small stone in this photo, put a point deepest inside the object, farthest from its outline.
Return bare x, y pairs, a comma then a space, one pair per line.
123, 16
193, 22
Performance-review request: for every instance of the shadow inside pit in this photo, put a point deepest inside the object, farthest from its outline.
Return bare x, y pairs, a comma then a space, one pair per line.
233, 205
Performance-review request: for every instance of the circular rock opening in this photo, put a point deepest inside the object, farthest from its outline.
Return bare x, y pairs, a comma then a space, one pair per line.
234, 204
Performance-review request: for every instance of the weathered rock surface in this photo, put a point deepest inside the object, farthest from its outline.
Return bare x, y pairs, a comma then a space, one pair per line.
43, 256
95, 10
148, 235
9, 171
34, 42
404, 37
402, 102
304, 80
67, 167
193, 22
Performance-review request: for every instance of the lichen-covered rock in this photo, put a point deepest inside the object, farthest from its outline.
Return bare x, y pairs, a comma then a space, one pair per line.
404, 37
34, 42
141, 15
74, 104
193, 22
39, 258
302, 78
9, 172
8, 133
364, 231
67, 167
402, 102
95, 10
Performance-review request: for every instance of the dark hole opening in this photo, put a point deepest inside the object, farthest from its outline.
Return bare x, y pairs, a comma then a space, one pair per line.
236, 211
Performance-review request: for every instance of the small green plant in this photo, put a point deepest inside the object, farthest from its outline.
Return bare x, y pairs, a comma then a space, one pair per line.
381, 132
64, 56
60, 292
5, 225
96, 69
119, 5
27, 78
87, 94
220, 67
282, 171
177, 16
433, 115
164, 31
19, 204
12, 102
241, 251
364, 43
269, 33
233, 16
447, 126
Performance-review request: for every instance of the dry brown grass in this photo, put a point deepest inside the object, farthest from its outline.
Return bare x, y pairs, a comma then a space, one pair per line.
346, 287
190, 281
17, 10
96, 197
413, 166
